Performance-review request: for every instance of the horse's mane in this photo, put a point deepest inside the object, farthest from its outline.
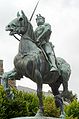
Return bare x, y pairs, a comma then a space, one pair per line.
30, 31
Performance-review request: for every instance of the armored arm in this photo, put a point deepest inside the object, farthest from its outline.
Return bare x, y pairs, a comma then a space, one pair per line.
46, 33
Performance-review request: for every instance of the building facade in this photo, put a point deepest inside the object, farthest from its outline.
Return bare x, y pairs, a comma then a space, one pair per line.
12, 83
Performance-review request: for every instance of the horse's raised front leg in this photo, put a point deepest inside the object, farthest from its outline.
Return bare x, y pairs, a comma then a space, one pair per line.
38, 78
5, 77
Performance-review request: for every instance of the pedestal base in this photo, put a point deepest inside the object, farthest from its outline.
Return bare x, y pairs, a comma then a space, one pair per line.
34, 118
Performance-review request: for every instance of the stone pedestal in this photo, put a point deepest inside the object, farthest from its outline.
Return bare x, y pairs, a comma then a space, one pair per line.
34, 118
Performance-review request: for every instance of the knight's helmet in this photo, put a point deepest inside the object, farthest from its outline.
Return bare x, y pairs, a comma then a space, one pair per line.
39, 16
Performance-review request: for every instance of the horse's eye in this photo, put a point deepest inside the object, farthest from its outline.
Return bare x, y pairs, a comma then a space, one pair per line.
20, 19
13, 25
58, 63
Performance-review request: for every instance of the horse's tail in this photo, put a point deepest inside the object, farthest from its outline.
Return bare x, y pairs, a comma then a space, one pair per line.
64, 67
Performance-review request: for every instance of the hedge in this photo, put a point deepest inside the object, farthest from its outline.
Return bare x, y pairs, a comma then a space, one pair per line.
73, 109
26, 104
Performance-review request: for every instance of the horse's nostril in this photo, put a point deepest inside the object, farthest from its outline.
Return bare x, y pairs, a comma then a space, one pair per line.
8, 25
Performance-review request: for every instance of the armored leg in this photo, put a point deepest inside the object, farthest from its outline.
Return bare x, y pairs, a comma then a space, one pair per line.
48, 48
53, 66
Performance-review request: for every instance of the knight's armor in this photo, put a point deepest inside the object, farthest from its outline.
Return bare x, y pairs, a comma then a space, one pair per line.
42, 34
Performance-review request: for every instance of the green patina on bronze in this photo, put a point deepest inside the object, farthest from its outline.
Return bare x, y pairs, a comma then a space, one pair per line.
36, 59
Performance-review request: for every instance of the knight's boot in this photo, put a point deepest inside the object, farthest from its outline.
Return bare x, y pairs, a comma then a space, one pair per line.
53, 66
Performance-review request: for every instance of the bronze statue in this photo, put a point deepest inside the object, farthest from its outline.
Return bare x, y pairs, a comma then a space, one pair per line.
32, 63
42, 35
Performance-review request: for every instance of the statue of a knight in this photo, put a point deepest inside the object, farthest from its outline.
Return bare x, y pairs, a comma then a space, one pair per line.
42, 35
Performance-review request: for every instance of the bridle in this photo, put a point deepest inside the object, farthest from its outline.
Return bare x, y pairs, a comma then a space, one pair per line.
20, 26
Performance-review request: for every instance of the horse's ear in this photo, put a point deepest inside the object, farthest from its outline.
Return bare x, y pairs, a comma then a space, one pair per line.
18, 15
22, 13
24, 16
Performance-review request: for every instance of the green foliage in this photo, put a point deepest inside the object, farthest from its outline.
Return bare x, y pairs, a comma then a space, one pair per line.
71, 117
73, 109
23, 104
50, 107
26, 104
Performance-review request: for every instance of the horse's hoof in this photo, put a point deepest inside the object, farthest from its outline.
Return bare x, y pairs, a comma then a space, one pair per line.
62, 116
39, 114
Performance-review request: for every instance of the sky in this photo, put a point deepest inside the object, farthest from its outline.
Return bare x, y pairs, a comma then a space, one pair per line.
62, 15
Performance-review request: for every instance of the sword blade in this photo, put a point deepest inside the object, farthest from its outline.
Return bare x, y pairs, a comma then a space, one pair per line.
34, 10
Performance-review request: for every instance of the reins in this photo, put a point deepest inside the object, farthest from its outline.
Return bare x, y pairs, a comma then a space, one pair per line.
16, 38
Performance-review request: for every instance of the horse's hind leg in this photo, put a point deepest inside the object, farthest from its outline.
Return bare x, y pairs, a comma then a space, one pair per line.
38, 78
65, 85
58, 100
55, 86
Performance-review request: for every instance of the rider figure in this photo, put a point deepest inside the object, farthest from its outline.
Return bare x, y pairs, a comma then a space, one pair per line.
42, 34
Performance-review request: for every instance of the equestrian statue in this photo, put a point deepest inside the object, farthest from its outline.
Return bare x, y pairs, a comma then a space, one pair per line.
36, 59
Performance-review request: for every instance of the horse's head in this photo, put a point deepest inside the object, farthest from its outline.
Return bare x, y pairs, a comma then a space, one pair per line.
18, 25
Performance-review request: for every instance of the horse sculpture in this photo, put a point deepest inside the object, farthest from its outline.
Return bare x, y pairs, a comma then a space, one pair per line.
30, 62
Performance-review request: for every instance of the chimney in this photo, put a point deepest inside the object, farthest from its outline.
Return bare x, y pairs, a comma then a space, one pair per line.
1, 69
